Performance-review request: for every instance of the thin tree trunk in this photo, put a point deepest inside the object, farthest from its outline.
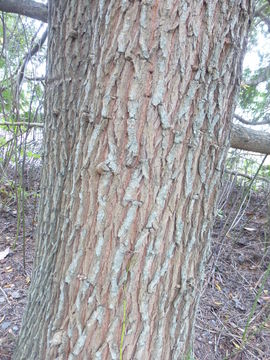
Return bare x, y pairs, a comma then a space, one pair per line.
139, 101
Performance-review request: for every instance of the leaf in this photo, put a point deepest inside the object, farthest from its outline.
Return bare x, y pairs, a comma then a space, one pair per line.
236, 345
4, 253
218, 286
218, 303
249, 229
244, 86
9, 286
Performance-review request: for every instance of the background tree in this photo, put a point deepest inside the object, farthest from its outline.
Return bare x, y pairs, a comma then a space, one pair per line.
254, 95
253, 103
21, 104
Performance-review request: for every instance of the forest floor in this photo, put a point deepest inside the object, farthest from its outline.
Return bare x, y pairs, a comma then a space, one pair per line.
233, 320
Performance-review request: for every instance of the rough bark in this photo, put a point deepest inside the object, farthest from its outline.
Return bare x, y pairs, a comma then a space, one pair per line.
241, 138
138, 107
28, 8
251, 140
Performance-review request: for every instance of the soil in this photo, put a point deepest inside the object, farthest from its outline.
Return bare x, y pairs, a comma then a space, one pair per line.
233, 319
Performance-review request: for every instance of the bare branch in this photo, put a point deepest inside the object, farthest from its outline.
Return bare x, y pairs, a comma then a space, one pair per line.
21, 124
264, 18
28, 8
241, 137
251, 140
37, 78
30, 54
266, 120
232, 172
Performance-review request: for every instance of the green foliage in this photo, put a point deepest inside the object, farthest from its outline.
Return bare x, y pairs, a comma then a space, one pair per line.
33, 155
266, 171
2, 141
18, 37
21, 99
254, 99
190, 356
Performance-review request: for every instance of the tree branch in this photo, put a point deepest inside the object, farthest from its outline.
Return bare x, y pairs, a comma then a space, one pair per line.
31, 53
260, 10
265, 19
21, 123
263, 75
28, 8
250, 140
265, 121
241, 137
232, 172
38, 78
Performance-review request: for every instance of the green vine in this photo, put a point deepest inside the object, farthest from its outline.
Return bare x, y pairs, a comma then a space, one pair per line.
123, 325
130, 262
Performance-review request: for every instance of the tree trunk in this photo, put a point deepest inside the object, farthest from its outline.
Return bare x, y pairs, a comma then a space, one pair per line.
139, 100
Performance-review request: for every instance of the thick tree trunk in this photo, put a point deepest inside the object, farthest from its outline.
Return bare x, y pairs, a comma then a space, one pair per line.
140, 95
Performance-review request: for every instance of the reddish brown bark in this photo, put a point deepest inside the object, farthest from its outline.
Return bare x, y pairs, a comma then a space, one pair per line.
139, 101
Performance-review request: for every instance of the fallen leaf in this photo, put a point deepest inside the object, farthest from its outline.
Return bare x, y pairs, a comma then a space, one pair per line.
249, 229
218, 286
236, 345
218, 303
9, 286
4, 253
2, 319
